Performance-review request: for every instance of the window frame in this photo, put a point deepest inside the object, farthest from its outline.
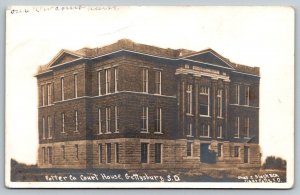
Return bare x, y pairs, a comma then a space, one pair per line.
62, 88
247, 95
49, 93
117, 153
107, 119
237, 94
145, 119
108, 153
220, 103
100, 153
107, 81
237, 127
202, 130
220, 131
43, 128
205, 91
144, 154
117, 119
189, 149
76, 120
116, 78
75, 85
158, 153
158, 120
158, 82
99, 82
99, 122
62, 122
76, 152
145, 80
189, 93
247, 127
49, 124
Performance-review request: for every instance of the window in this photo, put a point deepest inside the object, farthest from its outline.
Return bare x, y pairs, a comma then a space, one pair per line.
49, 127
117, 119
247, 127
107, 110
189, 149
247, 95
219, 103
144, 119
145, 80
116, 79
237, 127
44, 154
189, 99
100, 153
62, 122
158, 121
108, 153
219, 131
43, 128
190, 129
99, 121
76, 151
158, 82
117, 156
99, 83
49, 93
107, 81
50, 155
144, 152
76, 120
158, 152
63, 152
236, 151
220, 149
43, 94
75, 85
62, 88
237, 94
204, 101
205, 130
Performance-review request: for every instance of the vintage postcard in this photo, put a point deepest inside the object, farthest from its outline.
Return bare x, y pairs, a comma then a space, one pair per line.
149, 97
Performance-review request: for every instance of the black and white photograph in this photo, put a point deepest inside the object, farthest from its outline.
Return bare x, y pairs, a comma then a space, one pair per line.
149, 97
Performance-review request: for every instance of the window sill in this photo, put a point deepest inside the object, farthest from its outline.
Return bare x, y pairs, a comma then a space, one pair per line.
107, 133
206, 116
189, 114
145, 132
236, 137
160, 133
220, 138
117, 132
219, 117
190, 136
204, 137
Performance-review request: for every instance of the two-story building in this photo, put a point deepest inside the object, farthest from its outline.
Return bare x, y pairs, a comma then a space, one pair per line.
132, 106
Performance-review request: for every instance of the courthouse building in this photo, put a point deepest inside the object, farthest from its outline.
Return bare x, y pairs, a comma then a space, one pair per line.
135, 106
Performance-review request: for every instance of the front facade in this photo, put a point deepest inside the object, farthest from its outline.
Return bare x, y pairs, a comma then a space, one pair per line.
136, 106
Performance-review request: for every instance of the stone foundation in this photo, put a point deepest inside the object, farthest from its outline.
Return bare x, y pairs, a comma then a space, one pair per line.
125, 153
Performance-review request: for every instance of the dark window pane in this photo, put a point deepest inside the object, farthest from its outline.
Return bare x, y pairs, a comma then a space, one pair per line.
157, 153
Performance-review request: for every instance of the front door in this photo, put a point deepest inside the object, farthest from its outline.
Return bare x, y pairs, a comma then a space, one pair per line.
204, 153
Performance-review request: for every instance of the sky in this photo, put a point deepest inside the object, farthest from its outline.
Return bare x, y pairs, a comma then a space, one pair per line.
254, 36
